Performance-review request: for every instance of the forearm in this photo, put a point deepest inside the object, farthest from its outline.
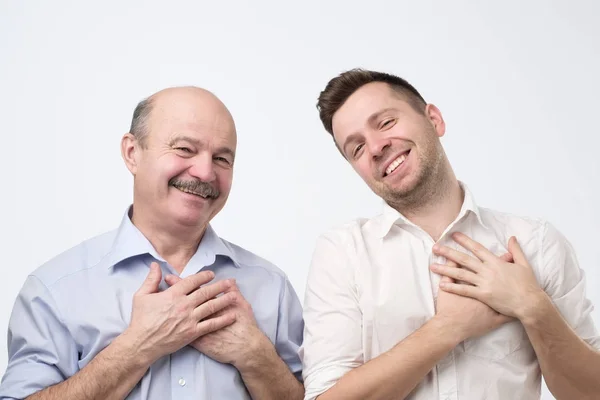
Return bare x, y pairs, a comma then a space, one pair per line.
267, 377
570, 366
397, 372
112, 374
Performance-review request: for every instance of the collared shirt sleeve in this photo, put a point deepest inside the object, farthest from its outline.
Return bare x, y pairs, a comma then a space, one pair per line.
565, 283
289, 329
333, 321
41, 351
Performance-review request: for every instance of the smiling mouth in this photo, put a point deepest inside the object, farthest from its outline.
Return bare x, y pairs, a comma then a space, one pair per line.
395, 164
195, 187
189, 191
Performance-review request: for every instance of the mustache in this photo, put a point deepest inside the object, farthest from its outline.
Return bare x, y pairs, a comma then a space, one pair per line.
196, 186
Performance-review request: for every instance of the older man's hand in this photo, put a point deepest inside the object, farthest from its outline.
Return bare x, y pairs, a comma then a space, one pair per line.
163, 322
237, 344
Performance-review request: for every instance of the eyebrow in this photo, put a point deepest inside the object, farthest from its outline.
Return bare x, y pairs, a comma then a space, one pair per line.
372, 118
198, 143
184, 138
378, 114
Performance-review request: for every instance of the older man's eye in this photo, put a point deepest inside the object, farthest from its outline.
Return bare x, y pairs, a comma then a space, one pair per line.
184, 149
222, 159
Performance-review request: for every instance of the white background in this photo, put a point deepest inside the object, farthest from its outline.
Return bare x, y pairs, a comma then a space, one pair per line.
517, 82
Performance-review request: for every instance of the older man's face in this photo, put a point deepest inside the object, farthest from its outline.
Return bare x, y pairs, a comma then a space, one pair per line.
185, 170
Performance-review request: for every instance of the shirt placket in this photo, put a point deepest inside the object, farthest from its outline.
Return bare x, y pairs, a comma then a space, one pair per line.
182, 385
446, 367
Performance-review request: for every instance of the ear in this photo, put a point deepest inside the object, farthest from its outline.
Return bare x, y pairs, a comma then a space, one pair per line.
435, 117
130, 151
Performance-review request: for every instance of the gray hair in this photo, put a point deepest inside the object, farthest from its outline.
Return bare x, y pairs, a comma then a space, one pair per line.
139, 122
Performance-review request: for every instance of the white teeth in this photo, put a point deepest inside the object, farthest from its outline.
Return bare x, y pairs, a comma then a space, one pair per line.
191, 192
395, 164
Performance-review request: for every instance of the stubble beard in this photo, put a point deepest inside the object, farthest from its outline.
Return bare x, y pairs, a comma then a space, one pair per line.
429, 186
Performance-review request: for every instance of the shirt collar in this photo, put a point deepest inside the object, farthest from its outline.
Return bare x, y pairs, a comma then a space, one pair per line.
391, 216
212, 246
131, 242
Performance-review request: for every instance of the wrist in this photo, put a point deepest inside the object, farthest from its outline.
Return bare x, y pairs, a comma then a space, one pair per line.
258, 354
133, 350
533, 308
449, 333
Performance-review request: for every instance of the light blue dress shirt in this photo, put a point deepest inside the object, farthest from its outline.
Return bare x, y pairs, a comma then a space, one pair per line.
73, 306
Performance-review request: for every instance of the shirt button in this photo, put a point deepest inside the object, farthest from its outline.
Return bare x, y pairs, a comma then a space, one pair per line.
181, 382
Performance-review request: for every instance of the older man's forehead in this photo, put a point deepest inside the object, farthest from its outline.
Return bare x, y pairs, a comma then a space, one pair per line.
192, 100
192, 115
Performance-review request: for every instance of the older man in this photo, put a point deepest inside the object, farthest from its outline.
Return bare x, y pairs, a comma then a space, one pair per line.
162, 307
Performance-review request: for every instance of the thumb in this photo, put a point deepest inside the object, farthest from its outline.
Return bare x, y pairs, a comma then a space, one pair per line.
507, 257
152, 281
515, 250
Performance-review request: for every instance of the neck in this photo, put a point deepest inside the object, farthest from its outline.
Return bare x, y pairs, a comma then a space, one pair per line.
444, 199
176, 244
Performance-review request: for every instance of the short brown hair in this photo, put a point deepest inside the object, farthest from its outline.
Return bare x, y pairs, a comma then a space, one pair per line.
340, 88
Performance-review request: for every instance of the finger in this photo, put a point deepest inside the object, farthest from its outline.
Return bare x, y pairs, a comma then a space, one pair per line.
241, 301
192, 282
234, 287
475, 247
213, 306
458, 274
461, 290
213, 324
516, 251
150, 284
172, 279
459, 257
205, 293
450, 264
507, 257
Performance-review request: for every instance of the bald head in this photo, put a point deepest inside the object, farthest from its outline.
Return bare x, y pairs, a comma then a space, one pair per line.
177, 102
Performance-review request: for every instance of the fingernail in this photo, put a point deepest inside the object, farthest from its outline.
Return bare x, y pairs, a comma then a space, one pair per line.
443, 285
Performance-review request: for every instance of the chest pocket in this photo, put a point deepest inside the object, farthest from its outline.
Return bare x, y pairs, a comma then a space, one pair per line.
499, 343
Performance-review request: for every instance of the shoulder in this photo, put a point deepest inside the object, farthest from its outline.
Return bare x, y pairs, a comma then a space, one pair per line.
248, 260
512, 222
83, 256
531, 232
349, 234
545, 246
519, 225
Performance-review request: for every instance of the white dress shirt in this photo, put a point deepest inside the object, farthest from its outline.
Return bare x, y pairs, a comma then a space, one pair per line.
370, 286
